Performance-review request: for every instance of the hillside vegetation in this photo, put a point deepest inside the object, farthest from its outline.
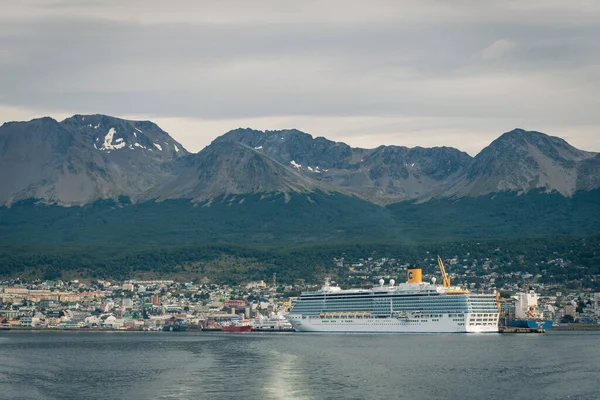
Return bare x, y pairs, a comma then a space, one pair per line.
250, 237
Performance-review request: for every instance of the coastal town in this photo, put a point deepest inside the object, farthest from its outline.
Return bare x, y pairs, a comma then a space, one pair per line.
157, 304
136, 305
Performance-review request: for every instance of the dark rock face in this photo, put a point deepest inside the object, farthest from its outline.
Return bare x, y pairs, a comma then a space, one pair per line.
230, 168
588, 174
90, 157
293, 145
384, 174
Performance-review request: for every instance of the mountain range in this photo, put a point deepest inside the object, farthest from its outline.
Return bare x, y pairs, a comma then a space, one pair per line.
98, 196
87, 158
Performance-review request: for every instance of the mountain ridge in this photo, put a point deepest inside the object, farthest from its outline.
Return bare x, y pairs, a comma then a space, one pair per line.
80, 159
90, 157
522, 160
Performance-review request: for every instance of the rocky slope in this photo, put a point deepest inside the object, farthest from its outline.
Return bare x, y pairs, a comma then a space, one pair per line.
522, 160
83, 158
230, 168
90, 157
382, 175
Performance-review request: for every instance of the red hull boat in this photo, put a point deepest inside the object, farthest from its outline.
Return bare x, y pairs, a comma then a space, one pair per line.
237, 328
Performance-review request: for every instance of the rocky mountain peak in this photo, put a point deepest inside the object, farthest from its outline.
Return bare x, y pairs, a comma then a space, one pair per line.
40, 134
90, 157
38, 126
83, 158
111, 134
290, 145
231, 168
522, 160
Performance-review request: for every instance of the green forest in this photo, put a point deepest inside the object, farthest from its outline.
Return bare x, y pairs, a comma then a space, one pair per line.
238, 238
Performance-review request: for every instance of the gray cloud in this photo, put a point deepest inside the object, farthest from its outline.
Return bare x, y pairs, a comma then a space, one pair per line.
532, 64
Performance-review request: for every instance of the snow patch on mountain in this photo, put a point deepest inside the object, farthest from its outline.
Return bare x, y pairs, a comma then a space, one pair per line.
108, 139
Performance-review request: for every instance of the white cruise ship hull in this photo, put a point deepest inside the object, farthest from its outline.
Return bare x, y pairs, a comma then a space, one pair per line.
443, 324
411, 307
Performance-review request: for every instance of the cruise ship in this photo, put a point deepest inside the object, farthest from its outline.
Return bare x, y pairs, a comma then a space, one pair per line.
411, 307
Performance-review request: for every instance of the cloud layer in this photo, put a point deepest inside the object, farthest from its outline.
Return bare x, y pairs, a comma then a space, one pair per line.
383, 72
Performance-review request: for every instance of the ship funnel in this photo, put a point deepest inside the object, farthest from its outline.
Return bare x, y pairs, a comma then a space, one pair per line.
415, 274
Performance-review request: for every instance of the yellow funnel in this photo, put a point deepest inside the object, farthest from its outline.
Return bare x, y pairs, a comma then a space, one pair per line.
415, 275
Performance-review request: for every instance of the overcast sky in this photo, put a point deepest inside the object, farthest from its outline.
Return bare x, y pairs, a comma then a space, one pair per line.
427, 72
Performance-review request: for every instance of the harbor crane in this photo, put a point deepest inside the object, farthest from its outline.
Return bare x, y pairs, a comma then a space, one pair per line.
445, 277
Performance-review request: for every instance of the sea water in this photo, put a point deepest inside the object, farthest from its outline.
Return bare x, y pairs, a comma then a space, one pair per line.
163, 365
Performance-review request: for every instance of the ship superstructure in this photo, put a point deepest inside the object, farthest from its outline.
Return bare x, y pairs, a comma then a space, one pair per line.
527, 313
414, 306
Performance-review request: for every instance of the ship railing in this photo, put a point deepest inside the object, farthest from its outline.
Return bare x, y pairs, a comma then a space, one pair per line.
345, 315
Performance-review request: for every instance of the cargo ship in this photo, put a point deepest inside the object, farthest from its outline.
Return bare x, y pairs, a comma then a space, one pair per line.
527, 312
236, 326
411, 307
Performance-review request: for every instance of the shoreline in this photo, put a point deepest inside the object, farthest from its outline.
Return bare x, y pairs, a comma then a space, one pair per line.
576, 327
31, 329
561, 328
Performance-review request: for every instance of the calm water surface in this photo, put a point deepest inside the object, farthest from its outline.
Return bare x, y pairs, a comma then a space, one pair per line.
111, 365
